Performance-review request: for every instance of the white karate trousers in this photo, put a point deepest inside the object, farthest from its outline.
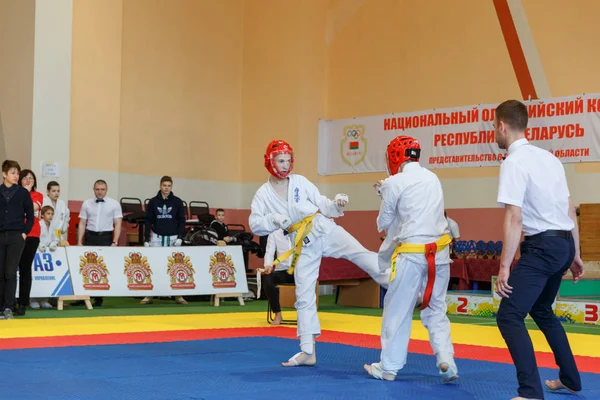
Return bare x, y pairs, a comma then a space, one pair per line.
399, 304
337, 244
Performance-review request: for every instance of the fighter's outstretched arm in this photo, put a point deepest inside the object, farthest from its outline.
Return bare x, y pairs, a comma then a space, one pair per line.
328, 207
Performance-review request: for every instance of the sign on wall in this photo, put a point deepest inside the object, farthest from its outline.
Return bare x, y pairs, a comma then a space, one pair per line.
569, 127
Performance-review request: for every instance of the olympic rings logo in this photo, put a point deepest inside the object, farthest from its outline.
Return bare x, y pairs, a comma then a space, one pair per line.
353, 133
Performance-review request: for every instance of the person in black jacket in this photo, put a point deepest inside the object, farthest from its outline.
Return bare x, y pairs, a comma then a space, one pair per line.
219, 226
16, 221
165, 222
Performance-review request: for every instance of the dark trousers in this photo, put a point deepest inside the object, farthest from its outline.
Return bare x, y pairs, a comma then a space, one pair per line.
11, 246
98, 239
535, 281
270, 283
25, 269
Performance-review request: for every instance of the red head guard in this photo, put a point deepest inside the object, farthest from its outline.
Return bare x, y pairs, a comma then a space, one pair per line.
401, 149
275, 148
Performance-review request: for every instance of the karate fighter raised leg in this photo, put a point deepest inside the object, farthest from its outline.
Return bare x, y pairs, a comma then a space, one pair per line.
291, 202
416, 248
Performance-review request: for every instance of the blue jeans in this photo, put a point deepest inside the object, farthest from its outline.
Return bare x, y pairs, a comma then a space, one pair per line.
536, 280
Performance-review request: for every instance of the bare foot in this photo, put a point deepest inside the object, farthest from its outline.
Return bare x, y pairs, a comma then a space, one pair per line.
444, 367
301, 359
384, 376
277, 319
557, 385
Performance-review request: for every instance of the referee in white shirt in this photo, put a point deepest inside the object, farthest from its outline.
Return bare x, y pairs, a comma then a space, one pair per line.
99, 221
533, 190
278, 243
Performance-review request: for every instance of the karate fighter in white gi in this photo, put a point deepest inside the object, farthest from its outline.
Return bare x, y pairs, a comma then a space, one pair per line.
416, 248
291, 202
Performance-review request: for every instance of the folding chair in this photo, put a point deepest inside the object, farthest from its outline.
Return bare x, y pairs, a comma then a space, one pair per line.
131, 205
201, 210
186, 210
134, 214
238, 228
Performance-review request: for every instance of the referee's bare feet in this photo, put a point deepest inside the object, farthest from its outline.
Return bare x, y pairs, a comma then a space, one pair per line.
557, 385
277, 319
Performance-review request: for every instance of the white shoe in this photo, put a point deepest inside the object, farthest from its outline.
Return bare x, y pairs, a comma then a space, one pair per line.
46, 305
34, 305
180, 300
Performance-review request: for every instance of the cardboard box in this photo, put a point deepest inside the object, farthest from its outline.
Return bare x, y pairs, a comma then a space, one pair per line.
366, 294
287, 296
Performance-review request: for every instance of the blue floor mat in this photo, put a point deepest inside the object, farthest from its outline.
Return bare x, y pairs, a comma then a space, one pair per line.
246, 368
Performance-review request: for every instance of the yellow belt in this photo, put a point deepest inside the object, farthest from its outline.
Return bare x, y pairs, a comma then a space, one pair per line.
417, 248
303, 228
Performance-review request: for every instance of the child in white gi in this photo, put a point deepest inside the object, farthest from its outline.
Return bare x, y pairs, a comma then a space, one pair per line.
416, 246
292, 203
48, 242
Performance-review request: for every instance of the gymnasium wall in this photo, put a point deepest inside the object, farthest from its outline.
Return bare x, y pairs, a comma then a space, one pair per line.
157, 91
195, 89
17, 21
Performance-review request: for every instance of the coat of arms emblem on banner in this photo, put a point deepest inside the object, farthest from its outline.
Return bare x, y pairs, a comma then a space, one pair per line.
181, 271
353, 147
138, 272
222, 270
93, 271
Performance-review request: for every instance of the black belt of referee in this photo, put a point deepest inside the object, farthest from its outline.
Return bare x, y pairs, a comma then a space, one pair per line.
562, 234
101, 233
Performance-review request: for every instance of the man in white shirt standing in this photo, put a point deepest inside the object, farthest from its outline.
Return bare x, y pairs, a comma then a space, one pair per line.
280, 243
533, 190
416, 248
99, 222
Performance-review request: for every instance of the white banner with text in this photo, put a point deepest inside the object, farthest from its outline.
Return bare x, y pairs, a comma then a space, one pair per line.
569, 127
50, 275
